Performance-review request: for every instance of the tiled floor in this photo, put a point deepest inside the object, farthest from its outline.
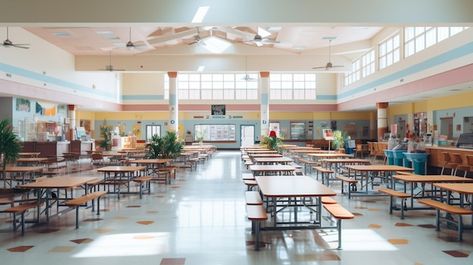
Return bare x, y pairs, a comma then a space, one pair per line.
201, 220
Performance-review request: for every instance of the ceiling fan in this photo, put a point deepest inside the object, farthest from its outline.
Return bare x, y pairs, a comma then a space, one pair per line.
134, 45
261, 38
197, 39
247, 77
109, 67
8, 43
329, 64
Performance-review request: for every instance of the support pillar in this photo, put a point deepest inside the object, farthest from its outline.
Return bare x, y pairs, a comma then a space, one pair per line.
264, 103
382, 108
71, 116
173, 121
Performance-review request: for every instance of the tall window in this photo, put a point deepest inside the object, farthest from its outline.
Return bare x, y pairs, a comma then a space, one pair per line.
367, 64
389, 52
417, 39
195, 86
355, 73
288, 86
152, 130
166, 86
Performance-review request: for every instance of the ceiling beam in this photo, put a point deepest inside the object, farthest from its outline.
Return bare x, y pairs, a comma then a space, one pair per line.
212, 63
232, 12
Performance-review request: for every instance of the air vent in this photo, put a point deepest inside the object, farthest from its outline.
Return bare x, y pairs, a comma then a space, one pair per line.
62, 34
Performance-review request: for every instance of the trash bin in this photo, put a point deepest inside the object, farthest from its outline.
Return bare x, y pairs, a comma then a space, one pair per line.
419, 162
399, 157
389, 156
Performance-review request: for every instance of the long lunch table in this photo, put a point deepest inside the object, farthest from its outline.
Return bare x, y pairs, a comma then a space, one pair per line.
31, 160
413, 180
20, 174
259, 170
45, 187
262, 152
337, 163
293, 192
264, 155
366, 172
120, 175
464, 189
272, 160
324, 154
29, 154
152, 165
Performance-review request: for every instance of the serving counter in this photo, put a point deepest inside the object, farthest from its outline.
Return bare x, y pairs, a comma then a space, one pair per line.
436, 158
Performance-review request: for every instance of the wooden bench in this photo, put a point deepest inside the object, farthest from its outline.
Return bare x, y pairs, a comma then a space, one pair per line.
256, 214
145, 184
338, 213
325, 173
328, 200
451, 209
83, 200
307, 163
351, 183
247, 176
253, 198
168, 172
404, 173
250, 184
20, 209
395, 194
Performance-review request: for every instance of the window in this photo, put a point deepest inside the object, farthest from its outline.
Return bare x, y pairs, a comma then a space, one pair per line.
166, 86
367, 64
417, 39
152, 130
287, 86
389, 52
297, 130
355, 73
215, 132
217, 86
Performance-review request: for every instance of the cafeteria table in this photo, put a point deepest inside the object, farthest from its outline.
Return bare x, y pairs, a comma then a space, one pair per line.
120, 175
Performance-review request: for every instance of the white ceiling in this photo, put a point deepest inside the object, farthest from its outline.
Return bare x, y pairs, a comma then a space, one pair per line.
100, 40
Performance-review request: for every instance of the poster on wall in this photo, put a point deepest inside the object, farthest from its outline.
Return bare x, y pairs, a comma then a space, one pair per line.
46, 109
23, 104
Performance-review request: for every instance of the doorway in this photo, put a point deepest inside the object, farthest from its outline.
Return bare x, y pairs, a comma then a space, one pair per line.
247, 135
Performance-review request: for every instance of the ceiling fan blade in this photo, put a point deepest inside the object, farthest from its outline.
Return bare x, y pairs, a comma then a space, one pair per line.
319, 67
22, 46
337, 66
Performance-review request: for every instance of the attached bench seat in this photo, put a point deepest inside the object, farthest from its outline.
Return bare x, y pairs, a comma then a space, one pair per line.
395, 194
247, 176
325, 173
253, 198
338, 213
250, 184
145, 184
80, 201
451, 209
21, 210
256, 214
328, 200
351, 184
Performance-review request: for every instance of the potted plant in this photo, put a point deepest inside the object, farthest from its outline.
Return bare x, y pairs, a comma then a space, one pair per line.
9, 145
338, 140
271, 142
106, 133
164, 147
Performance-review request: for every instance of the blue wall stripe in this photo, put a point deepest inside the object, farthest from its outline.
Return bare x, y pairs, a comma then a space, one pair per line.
434, 61
51, 80
327, 97
142, 97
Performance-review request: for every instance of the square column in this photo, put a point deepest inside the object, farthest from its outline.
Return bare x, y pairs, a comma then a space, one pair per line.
173, 120
264, 103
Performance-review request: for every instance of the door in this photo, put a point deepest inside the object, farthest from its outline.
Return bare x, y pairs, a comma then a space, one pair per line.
247, 135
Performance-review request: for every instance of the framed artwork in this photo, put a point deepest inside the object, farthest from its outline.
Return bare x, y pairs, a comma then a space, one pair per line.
23, 104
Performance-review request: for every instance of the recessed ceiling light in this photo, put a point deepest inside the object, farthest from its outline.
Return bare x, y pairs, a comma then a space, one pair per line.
200, 14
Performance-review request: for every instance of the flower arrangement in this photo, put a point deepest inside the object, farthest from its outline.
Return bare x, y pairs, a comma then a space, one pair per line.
271, 142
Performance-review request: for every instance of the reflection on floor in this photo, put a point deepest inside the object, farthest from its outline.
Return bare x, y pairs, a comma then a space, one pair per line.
201, 220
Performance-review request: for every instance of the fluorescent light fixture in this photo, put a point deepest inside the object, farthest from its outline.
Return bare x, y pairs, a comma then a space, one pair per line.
200, 14
216, 45
201, 68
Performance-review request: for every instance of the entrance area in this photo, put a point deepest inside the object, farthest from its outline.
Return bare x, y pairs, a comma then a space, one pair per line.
247, 135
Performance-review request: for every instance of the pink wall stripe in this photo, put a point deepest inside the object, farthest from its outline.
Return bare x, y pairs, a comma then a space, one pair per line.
456, 76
